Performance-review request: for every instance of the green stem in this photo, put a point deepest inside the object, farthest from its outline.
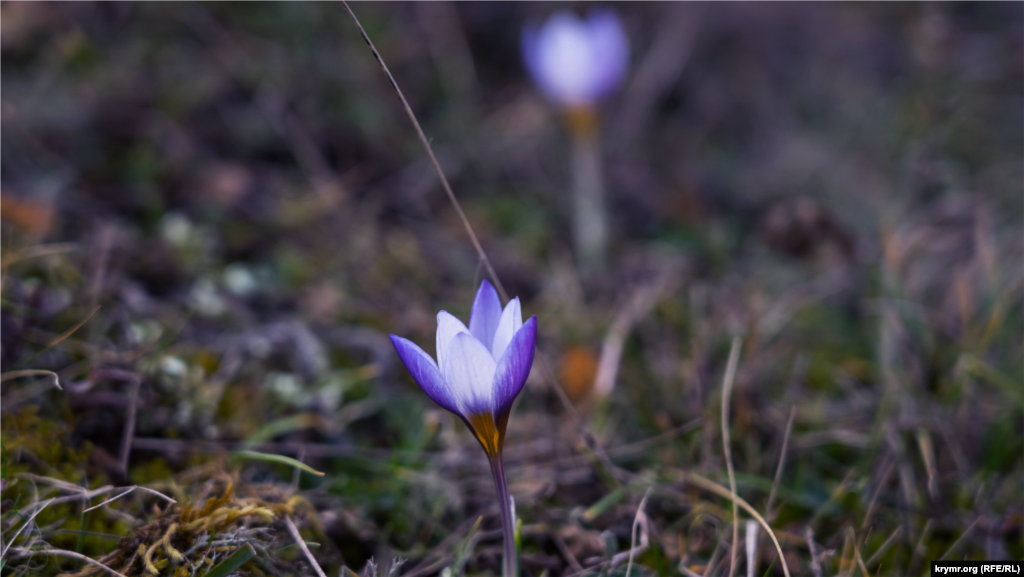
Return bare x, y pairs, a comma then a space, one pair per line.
509, 568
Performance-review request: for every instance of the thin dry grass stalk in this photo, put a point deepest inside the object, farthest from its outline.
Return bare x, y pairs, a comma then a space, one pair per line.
302, 545
727, 382
433, 159
885, 546
22, 528
960, 539
709, 485
20, 552
636, 524
782, 461
31, 373
15, 398
857, 555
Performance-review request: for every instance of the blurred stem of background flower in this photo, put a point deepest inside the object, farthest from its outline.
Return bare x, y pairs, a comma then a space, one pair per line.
589, 218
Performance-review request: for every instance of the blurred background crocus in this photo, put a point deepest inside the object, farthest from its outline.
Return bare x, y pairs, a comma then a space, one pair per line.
576, 63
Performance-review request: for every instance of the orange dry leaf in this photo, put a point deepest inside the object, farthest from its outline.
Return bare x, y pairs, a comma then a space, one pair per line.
35, 217
578, 371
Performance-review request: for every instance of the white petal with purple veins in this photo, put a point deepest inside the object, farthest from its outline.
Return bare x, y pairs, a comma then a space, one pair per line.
469, 370
447, 327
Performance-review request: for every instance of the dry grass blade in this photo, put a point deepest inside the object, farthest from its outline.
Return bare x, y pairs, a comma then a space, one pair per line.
433, 159
846, 566
713, 561
927, 448
727, 382
574, 563
31, 373
61, 337
919, 548
815, 562
960, 540
302, 545
751, 535
782, 461
81, 494
155, 493
860, 560
882, 480
636, 525
129, 425
837, 494
885, 546
30, 391
134, 381
20, 552
22, 528
709, 485
428, 569
39, 251
114, 498
856, 559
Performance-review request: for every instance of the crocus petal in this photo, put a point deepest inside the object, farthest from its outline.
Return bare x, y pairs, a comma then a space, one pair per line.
511, 320
564, 60
469, 371
528, 42
447, 327
426, 373
576, 62
514, 366
483, 320
610, 49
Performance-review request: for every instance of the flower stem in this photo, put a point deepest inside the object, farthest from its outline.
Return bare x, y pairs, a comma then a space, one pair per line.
509, 569
590, 221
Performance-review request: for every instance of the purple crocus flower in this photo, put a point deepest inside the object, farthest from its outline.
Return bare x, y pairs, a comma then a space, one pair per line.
479, 370
478, 374
577, 62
